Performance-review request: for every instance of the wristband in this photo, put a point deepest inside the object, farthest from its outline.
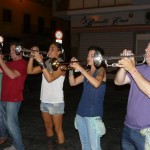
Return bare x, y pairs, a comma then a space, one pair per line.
42, 65
70, 72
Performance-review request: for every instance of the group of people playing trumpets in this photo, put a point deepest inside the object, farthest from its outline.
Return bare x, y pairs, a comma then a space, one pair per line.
89, 115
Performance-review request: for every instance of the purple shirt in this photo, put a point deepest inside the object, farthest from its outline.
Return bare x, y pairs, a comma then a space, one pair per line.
138, 107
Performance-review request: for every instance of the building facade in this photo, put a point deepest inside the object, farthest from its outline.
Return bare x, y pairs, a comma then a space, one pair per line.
31, 22
114, 25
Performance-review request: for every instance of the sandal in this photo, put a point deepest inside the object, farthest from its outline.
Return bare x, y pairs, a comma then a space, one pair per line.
2, 140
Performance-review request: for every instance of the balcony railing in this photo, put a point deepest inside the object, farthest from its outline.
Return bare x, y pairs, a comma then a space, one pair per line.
65, 5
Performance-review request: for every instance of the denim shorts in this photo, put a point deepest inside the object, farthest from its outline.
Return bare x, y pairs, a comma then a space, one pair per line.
52, 109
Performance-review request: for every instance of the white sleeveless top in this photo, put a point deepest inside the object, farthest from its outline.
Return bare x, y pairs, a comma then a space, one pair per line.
52, 92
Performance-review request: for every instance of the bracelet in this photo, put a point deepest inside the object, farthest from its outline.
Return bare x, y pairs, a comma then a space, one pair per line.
42, 65
70, 72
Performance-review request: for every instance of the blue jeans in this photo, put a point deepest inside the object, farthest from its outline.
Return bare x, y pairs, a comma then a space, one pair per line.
89, 136
132, 139
3, 129
10, 113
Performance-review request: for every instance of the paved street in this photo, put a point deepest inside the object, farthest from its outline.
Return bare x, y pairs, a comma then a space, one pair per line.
32, 125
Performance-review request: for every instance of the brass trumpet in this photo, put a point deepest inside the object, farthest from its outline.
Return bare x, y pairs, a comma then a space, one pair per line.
27, 52
63, 65
98, 59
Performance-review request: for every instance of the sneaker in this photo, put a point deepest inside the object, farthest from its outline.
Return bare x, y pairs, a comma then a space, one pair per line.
10, 148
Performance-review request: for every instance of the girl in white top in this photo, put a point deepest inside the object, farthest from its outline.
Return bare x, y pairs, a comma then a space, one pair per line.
52, 96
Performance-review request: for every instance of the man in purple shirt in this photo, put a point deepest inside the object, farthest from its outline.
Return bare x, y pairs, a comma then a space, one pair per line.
138, 108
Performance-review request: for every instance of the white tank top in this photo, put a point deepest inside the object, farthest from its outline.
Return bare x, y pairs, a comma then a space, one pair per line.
52, 92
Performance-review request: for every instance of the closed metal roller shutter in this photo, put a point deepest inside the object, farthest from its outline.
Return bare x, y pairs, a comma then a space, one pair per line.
113, 44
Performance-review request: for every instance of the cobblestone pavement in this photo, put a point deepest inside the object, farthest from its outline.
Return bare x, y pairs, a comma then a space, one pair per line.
32, 125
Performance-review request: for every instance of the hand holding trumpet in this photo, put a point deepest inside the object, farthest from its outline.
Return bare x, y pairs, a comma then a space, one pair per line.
36, 55
74, 63
33, 50
127, 63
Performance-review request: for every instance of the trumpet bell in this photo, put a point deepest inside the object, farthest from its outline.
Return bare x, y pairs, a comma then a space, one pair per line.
18, 49
27, 52
55, 64
97, 58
